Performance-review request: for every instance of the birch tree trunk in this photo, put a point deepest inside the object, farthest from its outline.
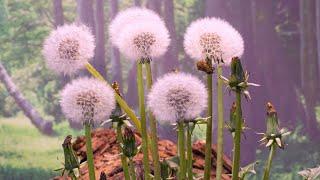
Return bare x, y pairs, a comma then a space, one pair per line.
42, 125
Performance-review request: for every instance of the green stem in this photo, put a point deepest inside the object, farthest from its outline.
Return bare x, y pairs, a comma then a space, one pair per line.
142, 111
220, 124
182, 158
124, 161
89, 151
119, 99
153, 128
207, 167
132, 171
189, 153
268, 165
237, 138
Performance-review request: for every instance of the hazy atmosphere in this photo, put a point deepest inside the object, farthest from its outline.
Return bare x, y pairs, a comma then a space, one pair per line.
281, 53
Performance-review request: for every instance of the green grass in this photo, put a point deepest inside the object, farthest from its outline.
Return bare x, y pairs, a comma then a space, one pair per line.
27, 154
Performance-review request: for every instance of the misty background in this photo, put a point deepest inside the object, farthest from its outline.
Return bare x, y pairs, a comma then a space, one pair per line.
282, 53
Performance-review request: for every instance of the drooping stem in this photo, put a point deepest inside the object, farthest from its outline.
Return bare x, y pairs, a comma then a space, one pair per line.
142, 112
124, 106
153, 129
269, 162
124, 161
237, 138
207, 167
220, 125
182, 158
132, 169
189, 153
89, 152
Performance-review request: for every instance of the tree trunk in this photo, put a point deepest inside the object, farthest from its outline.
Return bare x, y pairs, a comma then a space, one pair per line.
215, 8
99, 59
86, 17
115, 57
58, 13
42, 125
170, 60
155, 5
309, 63
137, 2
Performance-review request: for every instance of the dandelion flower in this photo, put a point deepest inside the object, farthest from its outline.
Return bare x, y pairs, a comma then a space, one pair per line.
176, 97
68, 48
129, 16
87, 100
144, 40
213, 38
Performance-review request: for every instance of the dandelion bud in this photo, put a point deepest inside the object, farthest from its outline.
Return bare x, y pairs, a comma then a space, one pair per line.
70, 159
129, 147
87, 100
237, 73
68, 48
177, 97
204, 66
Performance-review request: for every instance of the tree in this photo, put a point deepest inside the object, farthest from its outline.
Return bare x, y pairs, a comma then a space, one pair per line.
43, 126
86, 16
170, 60
58, 13
99, 59
115, 57
309, 63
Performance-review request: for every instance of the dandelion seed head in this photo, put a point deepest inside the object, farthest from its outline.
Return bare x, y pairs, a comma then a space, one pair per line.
213, 38
127, 17
149, 39
68, 48
176, 97
87, 100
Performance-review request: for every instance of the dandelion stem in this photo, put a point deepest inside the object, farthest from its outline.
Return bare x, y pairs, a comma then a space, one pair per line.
142, 112
182, 158
119, 99
220, 124
123, 157
269, 162
237, 138
189, 153
132, 169
153, 128
89, 151
207, 167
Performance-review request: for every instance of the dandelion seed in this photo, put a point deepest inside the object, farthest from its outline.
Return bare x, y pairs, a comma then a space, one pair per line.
213, 38
176, 97
68, 48
87, 100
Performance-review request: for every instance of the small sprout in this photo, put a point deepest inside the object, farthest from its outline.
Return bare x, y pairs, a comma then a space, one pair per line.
310, 173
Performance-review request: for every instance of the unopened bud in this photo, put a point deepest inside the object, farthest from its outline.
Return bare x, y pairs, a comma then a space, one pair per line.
129, 147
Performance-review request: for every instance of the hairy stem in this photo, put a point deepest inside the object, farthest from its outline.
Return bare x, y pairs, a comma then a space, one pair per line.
132, 169
124, 106
207, 167
269, 162
124, 161
153, 128
189, 153
89, 151
142, 112
237, 138
220, 124
182, 158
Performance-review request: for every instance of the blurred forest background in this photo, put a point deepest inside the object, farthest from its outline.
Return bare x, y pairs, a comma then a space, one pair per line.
282, 53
